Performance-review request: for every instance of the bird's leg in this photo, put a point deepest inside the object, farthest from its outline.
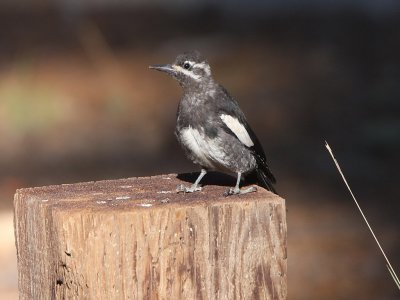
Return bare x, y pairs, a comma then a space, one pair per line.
237, 191
194, 188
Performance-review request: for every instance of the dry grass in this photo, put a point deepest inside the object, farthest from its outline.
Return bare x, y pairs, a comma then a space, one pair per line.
388, 264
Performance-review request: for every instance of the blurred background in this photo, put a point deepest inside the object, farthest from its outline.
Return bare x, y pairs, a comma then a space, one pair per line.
78, 103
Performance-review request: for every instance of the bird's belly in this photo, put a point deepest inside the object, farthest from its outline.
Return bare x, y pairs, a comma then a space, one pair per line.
215, 153
202, 150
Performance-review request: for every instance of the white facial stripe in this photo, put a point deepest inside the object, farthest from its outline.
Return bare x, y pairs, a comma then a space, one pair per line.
203, 66
189, 62
186, 72
238, 129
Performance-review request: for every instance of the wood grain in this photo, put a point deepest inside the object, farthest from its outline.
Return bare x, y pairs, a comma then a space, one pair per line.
137, 239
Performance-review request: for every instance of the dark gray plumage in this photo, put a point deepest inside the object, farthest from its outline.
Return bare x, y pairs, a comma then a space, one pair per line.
211, 127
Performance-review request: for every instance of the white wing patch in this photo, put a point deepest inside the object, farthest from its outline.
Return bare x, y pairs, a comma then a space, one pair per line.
238, 129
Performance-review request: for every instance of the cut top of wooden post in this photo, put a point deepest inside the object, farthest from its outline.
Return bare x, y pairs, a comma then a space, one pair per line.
137, 191
137, 238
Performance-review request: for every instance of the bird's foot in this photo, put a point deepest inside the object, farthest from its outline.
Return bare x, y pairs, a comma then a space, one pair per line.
237, 191
183, 189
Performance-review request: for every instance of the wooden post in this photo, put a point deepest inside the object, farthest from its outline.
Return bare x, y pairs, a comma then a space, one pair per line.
137, 239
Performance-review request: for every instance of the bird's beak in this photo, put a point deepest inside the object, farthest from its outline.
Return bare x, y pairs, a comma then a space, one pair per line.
169, 69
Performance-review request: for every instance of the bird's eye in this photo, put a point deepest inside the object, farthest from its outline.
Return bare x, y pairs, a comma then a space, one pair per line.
186, 65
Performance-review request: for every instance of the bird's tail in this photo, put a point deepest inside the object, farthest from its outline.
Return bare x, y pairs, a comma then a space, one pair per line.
266, 181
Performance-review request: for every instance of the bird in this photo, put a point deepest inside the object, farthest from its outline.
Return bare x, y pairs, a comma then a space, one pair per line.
212, 129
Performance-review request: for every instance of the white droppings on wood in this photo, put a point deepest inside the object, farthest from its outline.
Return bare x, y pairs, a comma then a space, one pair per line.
164, 192
122, 198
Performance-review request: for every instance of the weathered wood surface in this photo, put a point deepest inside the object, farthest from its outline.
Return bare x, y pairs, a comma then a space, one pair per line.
137, 239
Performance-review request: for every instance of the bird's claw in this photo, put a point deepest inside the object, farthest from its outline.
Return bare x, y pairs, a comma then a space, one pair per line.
237, 191
183, 189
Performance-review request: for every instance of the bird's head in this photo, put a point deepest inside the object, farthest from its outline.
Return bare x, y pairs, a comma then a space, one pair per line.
189, 68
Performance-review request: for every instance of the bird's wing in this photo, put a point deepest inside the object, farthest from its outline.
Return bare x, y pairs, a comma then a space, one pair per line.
234, 122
